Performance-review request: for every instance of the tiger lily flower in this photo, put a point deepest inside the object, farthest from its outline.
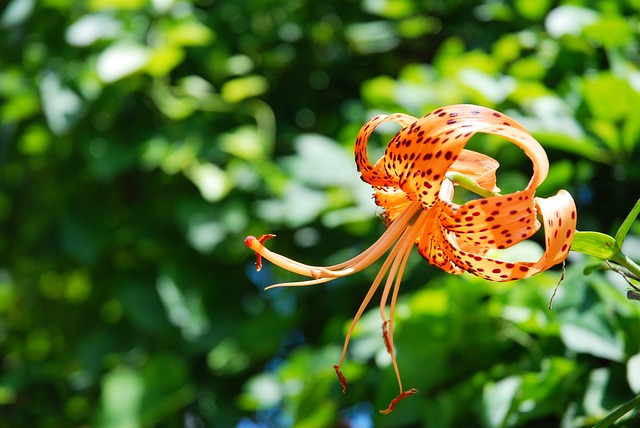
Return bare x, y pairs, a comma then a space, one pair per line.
414, 183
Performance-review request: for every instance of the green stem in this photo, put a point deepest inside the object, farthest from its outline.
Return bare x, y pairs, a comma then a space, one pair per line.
467, 183
621, 259
619, 412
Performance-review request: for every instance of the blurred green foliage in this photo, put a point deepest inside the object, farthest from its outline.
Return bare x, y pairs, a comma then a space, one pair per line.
141, 140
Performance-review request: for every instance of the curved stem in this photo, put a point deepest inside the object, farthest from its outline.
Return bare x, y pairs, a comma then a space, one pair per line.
619, 412
467, 183
621, 259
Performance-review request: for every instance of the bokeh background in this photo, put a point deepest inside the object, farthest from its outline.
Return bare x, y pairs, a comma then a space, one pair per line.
142, 140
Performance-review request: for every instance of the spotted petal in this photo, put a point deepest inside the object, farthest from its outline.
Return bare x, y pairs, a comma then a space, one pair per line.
420, 155
559, 218
479, 168
414, 183
376, 175
495, 222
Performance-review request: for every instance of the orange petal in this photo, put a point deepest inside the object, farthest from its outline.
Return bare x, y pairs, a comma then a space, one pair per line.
559, 218
376, 175
430, 247
393, 201
420, 154
478, 167
495, 222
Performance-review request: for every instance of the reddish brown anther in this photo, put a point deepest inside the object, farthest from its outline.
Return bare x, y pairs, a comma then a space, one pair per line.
385, 337
341, 378
395, 401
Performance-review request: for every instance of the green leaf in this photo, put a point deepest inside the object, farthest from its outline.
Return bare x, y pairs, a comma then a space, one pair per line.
16, 12
633, 373
244, 87
595, 244
533, 10
621, 234
619, 412
610, 31
190, 34
569, 19
596, 339
120, 60
121, 400
608, 96
62, 107
498, 398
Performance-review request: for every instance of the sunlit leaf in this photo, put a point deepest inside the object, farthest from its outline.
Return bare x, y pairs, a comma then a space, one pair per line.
91, 28
372, 37
240, 88
244, 142
389, 8
16, 12
164, 59
608, 96
633, 373
121, 400
184, 310
622, 232
595, 340
533, 10
569, 19
611, 31
120, 60
115, 4
595, 244
62, 106
210, 180
190, 33
498, 398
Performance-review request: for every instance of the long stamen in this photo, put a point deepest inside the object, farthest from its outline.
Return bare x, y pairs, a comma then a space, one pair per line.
365, 302
301, 283
392, 268
394, 279
386, 240
399, 236
389, 334
320, 273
